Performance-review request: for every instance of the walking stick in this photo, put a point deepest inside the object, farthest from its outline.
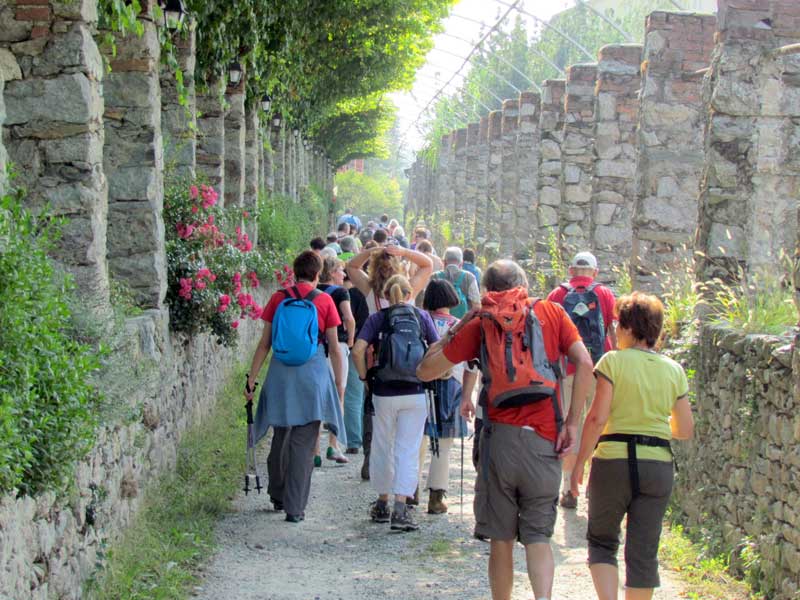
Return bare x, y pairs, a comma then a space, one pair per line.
251, 467
462, 476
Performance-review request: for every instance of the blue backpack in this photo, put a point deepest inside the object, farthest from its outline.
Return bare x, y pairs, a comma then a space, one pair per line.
295, 328
583, 307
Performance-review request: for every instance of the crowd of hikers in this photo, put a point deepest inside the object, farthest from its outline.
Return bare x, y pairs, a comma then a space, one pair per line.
396, 351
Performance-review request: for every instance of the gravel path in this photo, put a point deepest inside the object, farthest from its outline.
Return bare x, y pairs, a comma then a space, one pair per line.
338, 554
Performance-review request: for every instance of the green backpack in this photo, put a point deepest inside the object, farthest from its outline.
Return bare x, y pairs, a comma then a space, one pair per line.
463, 304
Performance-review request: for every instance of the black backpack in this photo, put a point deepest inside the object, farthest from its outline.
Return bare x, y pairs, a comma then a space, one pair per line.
401, 345
583, 307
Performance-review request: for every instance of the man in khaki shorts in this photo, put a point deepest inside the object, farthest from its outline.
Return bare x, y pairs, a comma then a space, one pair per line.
520, 446
590, 305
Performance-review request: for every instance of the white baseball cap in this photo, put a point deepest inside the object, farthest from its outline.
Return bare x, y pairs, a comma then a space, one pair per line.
584, 260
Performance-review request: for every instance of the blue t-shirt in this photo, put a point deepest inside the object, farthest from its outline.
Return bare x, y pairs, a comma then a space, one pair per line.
370, 332
471, 268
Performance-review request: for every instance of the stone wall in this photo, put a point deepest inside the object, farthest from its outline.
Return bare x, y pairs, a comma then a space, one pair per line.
551, 132
179, 122
234, 145
211, 135
508, 191
459, 173
3, 156
526, 226
677, 49
739, 479
50, 544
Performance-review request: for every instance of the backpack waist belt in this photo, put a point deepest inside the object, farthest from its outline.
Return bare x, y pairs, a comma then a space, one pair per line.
633, 440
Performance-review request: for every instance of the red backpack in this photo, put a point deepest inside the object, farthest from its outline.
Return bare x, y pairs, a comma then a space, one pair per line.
514, 363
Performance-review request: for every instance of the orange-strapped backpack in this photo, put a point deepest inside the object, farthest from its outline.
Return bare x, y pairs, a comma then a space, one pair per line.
514, 363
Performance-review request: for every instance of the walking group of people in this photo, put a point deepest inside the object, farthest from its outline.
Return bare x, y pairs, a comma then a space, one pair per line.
389, 346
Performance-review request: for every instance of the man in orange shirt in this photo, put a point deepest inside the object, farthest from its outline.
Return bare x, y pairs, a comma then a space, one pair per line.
520, 445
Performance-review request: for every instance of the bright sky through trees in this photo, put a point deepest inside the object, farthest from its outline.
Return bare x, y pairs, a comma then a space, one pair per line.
441, 63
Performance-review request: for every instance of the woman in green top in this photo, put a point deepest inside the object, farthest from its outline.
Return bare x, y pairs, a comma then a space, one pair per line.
640, 403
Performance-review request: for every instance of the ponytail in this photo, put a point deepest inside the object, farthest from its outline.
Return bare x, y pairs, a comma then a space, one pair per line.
397, 289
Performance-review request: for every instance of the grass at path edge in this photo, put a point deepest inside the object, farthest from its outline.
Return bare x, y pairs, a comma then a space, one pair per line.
173, 533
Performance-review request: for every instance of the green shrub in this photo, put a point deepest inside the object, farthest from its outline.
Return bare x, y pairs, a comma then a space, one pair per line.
47, 405
286, 226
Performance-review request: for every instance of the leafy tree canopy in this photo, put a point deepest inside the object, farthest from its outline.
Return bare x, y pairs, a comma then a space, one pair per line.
369, 196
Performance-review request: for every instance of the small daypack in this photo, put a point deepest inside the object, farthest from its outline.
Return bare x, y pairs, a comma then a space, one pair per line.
514, 363
295, 328
583, 307
463, 304
401, 345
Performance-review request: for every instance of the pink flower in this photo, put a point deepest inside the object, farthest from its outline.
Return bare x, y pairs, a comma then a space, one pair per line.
253, 279
224, 299
194, 209
193, 192
203, 273
200, 284
286, 268
235, 324
245, 214
210, 219
244, 300
186, 288
184, 231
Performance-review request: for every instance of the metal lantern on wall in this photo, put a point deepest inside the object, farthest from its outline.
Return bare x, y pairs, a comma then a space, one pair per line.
234, 73
266, 103
276, 120
295, 132
174, 13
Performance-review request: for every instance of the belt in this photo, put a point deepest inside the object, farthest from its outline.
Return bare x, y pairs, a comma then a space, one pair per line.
633, 440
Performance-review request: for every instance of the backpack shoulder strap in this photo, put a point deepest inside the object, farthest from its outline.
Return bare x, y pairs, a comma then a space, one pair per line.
311, 295
461, 277
567, 287
590, 287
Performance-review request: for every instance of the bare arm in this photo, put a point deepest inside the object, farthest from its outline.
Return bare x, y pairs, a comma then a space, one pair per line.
612, 334
264, 346
596, 419
349, 322
467, 388
681, 422
360, 358
435, 363
335, 352
356, 272
578, 356
424, 266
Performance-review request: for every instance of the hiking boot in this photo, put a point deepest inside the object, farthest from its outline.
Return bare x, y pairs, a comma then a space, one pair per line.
568, 500
365, 468
403, 521
413, 500
436, 505
379, 512
317, 461
295, 518
336, 455
277, 504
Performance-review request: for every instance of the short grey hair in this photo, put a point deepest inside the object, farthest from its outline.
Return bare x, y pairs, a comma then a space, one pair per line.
348, 244
453, 256
504, 275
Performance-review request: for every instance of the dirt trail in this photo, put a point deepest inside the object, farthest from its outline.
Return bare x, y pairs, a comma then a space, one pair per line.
338, 554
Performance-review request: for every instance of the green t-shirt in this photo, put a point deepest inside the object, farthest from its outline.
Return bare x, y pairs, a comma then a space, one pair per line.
646, 386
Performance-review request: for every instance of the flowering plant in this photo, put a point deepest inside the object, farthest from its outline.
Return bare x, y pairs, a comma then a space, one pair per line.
285, 277
213, 268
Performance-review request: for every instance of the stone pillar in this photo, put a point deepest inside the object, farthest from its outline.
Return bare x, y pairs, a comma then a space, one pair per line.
134, 164
235, 132
442, 176
751, 181
526, 228
267, 159
278, 160
577, 158
459, 172
252, 157
211, 135
53, 130
669, 143
179, 122
291, 164
471, 185
509, 179
613, 186
3, 156
551, 132
482, 183
494, 185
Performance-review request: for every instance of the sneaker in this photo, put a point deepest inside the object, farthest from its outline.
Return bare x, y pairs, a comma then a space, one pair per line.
295, 518
480, 537
336, 455
277, 504
317, 461
403, 522
379, 512
568, 500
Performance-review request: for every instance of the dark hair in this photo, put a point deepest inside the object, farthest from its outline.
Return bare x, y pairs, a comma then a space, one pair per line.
384, 218
380, 236
332, 237
469, 255
343, 226
317, 243
440, 293
353, 228
425, 247
643, 315
365, 235
503, 275
307, 265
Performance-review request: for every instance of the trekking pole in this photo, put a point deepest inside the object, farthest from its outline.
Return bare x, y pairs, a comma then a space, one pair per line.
462, 475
